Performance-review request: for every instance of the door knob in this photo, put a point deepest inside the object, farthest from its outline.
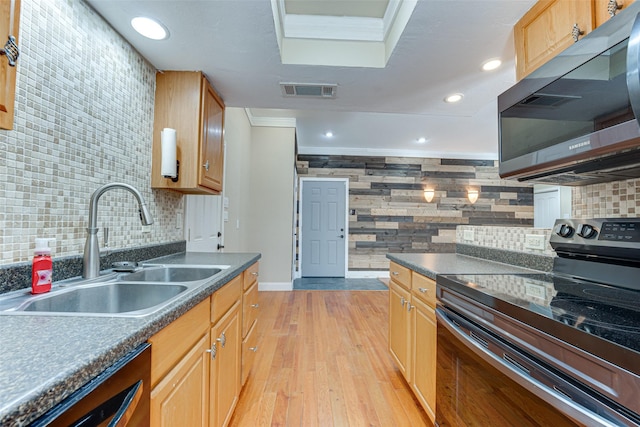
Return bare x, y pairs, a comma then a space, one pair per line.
341, 236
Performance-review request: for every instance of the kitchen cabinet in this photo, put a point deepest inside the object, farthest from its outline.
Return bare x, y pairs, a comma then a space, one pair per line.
423, 378
225, 351
186, 102
180, 370
9, 25
412, 332
548, 28
250, 309
603, 9
399, 318
196, 362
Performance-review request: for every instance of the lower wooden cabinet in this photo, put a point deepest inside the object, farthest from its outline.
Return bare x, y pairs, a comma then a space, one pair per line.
197, 362
412, 334
182, 397
225, 366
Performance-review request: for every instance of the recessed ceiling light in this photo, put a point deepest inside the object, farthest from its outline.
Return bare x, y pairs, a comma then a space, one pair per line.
150, 28
421, 140
456, 97
328, 134
491, 64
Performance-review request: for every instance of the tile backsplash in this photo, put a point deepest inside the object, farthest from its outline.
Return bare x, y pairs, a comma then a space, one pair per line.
83, 118
612, 199
505, 238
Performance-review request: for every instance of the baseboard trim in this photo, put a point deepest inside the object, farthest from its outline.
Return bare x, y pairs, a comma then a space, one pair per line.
373, 274
275, 286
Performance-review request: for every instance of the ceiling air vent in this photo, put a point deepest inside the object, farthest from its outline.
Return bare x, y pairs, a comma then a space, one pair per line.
309, 90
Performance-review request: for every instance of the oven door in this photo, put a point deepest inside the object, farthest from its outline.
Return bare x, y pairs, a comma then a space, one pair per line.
483, 380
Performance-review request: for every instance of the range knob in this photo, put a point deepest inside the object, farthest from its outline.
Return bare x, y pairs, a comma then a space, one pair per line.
587, 231
564, 230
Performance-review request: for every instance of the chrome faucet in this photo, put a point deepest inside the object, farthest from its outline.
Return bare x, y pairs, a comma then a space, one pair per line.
91, 258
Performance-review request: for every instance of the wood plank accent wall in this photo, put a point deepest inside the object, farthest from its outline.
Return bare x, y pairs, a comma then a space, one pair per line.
388, 212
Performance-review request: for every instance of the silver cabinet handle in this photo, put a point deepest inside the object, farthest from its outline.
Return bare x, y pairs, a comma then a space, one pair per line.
423, 290
213, 350
254, 274
206, 165
576, 32
403, 301
222, 340
254, 349
409, 306
613, 7
255, 305
395, 273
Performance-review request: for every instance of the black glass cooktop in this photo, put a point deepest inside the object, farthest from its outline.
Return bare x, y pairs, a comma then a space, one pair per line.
603, 311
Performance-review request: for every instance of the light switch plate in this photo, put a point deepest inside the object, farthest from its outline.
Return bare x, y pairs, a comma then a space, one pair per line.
534, 241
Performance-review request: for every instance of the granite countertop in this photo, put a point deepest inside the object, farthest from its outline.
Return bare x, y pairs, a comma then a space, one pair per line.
45, 358
431, 264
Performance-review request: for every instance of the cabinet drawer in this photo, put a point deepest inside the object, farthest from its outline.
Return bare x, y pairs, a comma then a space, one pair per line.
401, 275
249, 308
250, 275
424, 288
225, 297
249, 350
174, 341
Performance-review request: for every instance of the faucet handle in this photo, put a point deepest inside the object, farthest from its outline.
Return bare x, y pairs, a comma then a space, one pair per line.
105, 232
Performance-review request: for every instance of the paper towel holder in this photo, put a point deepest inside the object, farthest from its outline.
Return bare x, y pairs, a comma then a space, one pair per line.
174, 179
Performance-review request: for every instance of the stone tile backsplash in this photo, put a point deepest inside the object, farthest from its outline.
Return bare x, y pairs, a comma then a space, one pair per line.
504, 238
84, 118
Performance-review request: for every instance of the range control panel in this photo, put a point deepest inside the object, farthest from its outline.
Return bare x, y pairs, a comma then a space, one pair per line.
596, 233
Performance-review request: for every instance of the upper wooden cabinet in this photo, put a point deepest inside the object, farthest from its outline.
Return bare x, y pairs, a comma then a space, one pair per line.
606, 9
186, 102
548, 28
9, 25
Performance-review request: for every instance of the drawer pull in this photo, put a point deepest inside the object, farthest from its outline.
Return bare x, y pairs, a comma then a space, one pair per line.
254, 349
423, 290
255, 305
254, 273
403, 301
395, 273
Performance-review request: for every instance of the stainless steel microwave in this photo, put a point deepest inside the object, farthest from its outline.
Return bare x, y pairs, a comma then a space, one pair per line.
574, 120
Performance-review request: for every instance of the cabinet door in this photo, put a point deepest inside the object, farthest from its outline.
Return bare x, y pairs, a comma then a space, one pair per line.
602, 9
424, 356
9, 23
546, 29
225, 367
212, 144
182, 397
399, 328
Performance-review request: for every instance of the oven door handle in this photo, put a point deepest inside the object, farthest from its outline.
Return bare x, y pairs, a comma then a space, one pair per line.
519, 373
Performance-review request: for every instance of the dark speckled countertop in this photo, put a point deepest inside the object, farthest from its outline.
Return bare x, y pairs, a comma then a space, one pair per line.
43, 359
430, 264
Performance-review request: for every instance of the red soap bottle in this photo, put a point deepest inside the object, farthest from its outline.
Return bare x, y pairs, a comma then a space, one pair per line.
42, 268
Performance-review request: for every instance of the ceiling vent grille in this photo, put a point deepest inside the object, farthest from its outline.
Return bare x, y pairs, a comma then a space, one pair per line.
309, 90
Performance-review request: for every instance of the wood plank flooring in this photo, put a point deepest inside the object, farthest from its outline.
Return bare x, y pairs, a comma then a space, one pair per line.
323, 361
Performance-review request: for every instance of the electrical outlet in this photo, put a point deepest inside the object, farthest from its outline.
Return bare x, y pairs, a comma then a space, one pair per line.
178, 220
534, 241
467, 235
146, 229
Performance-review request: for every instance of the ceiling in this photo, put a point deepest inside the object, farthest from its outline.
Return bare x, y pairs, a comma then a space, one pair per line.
427, 49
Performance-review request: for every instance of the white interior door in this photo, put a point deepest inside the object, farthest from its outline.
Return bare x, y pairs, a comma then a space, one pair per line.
323, 228
546, 208
203, 225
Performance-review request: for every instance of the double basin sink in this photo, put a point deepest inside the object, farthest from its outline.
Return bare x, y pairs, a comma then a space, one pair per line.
133, 294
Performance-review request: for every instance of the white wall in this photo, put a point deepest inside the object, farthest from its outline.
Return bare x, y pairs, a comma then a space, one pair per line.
237, 184
272, 184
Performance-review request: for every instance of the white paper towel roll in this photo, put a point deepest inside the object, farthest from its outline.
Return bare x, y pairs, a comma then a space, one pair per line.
168, 139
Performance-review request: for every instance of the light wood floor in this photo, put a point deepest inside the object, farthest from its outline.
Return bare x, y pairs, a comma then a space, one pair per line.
323, 361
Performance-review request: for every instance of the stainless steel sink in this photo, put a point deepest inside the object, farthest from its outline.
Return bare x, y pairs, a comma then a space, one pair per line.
106, 298
171, 274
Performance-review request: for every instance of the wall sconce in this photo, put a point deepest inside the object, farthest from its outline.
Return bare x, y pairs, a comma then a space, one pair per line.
428, 195
472, 195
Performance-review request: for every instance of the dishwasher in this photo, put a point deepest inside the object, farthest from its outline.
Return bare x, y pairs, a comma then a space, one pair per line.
119, 396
